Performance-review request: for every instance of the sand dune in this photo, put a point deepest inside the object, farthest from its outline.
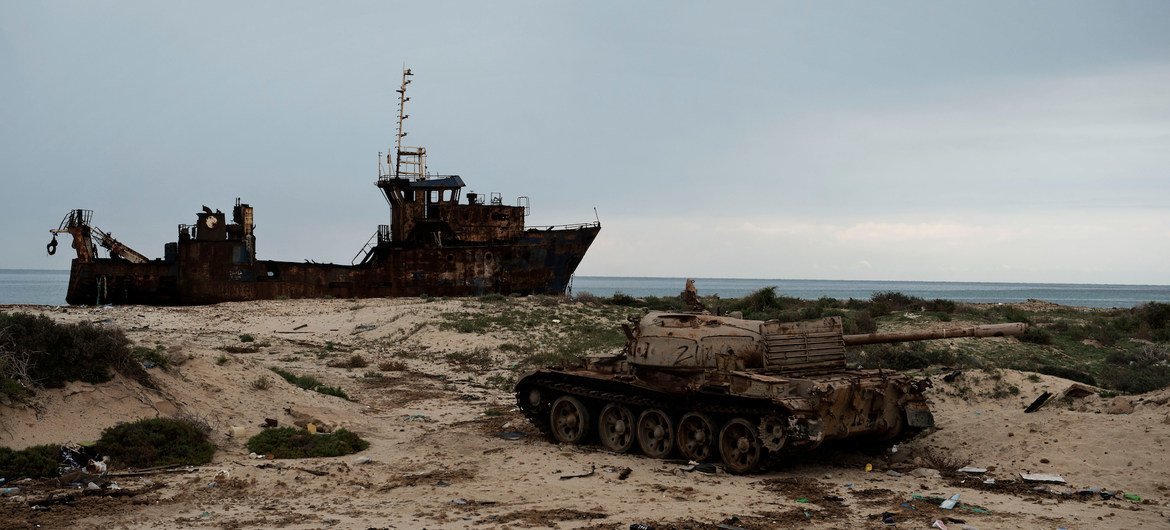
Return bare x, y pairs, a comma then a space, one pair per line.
437, 459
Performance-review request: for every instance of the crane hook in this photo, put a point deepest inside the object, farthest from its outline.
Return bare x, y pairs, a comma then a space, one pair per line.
52, 246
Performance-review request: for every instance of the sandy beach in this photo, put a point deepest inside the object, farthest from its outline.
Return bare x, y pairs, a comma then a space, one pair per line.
448, 449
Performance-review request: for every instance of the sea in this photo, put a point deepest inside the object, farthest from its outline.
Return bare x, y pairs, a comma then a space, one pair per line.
47, 287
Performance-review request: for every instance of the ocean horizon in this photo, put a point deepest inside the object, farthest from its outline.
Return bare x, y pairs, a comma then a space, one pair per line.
47, 287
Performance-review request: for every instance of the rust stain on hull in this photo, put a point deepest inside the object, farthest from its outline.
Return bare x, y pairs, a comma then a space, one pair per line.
439, 242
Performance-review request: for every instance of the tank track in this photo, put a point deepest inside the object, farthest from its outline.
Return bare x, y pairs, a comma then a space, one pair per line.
719, 407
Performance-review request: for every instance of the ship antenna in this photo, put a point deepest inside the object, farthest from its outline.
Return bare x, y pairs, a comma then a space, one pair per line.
402, 99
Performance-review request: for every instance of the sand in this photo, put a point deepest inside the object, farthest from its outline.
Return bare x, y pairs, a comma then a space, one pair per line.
437, 459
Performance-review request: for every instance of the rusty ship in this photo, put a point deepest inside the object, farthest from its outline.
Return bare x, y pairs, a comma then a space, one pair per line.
440, 242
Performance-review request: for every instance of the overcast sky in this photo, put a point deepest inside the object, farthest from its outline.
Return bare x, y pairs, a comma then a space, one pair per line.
964, 141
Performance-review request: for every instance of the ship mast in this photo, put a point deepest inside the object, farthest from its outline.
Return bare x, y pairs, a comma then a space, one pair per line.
410, 161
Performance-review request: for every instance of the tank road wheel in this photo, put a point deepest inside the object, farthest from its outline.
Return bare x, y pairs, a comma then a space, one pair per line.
772, 434
696, 436
615, 427
655, 433
569, 420
739, 446
530, 399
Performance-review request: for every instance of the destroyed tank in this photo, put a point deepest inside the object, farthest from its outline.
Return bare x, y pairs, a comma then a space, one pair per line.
741, 391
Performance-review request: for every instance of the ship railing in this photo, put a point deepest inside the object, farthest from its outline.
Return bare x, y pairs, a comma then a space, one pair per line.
578, 226
382, 235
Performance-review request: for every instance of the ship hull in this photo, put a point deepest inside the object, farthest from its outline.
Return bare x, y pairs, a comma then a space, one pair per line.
202, 272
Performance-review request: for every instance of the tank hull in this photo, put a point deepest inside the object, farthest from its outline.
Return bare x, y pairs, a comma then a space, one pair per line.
785, 414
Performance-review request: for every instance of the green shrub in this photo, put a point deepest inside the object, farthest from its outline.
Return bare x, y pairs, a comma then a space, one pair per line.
247, 338
622, 299
290, 442
1067, 373
334, 391
663, 303
1135, 379
155, 442
910, 356
33, 462
353, 361
1036, 335
478, 358
157, 355
309, 382
895, 301
60, 353
12, 388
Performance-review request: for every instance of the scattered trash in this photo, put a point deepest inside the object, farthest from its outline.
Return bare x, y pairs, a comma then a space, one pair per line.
887, 518
1039, 402
92, 486
640, 526
868, 468
622, 472
893, 473
1078, 390
270, 423
709, 469
255, 456
1131, 497
940, 525
592, 471
148, 365
363, 460
1042, 477
802, 500
4, 492
950, 503
950, 378
312, 471
418, 417
973, 470
989, 482
312, 428
511, 435
459, 502
302, 326
236, 431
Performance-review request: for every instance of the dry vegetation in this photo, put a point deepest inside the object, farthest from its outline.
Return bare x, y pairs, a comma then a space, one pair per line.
427, 383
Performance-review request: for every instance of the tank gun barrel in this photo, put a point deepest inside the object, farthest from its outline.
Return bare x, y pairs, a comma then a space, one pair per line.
989, 330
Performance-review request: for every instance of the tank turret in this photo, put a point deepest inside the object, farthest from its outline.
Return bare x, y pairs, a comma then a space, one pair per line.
716, 387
